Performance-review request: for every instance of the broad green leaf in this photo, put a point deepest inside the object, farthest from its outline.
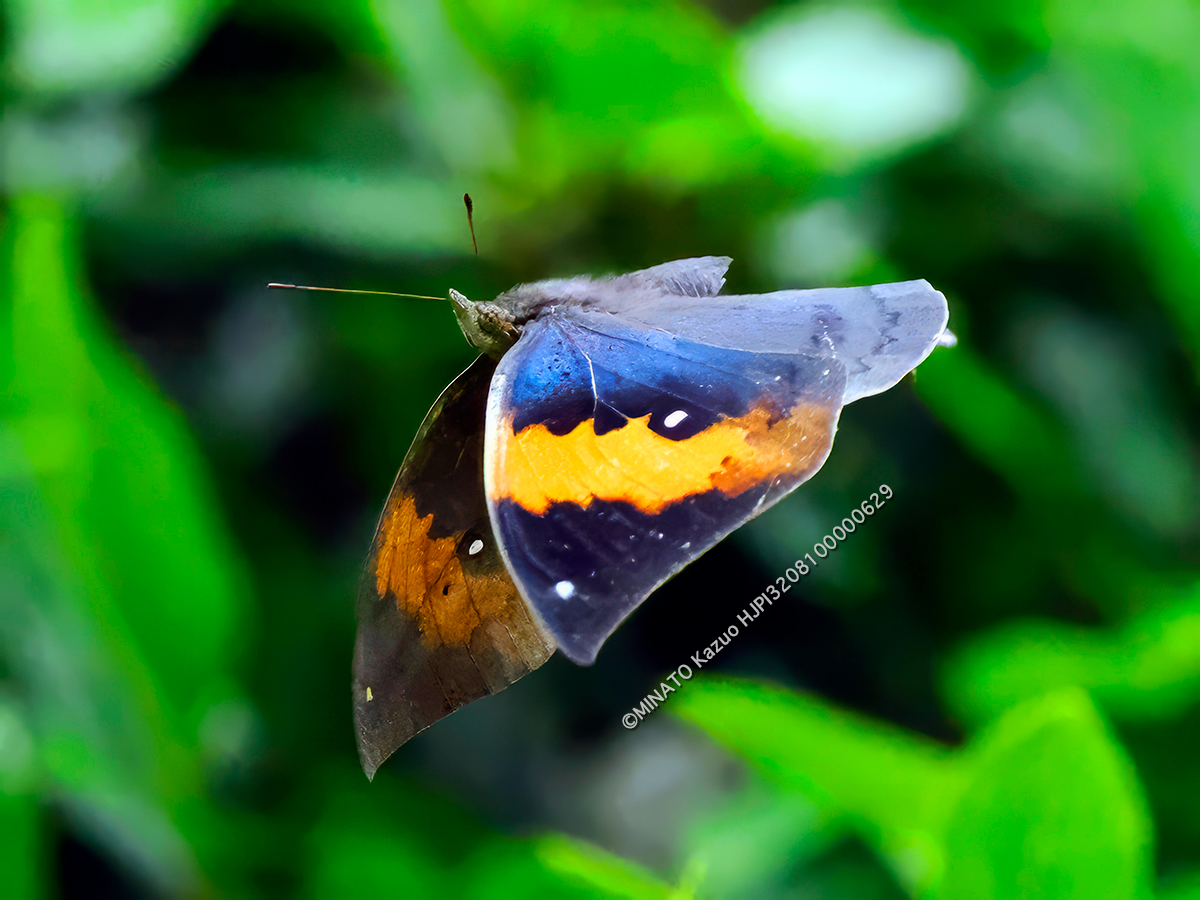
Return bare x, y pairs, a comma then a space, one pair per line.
1043, 801
506, 869
1053, 810
753, 845
97, 733
895, 786
68, 46
603, 873
121, 476
1149, 669
876, 771
643, 85
129, 612
640, 62
385, 839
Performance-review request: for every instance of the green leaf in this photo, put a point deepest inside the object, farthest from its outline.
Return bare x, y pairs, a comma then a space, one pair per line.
650, 94
753, 845
129, 612
65, 46
1053, 810
608, 875
505, 869
1044, 802
873, 770
98, 736
1147, 670
895, 786
122, 478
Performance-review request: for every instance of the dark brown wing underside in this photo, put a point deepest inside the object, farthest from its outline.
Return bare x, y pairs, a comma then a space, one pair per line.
440, 622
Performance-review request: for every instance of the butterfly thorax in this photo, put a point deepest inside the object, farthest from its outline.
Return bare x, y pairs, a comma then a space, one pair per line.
492, 327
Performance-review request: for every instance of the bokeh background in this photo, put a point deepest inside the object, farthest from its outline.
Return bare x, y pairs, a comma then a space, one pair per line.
991, 690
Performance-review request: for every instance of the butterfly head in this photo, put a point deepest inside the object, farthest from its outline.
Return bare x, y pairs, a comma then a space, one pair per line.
488, 327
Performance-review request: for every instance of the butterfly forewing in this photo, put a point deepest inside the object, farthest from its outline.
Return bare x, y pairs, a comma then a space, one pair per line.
618, 454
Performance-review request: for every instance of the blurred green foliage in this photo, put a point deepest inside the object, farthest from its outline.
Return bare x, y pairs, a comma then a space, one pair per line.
1041, 803
990, 691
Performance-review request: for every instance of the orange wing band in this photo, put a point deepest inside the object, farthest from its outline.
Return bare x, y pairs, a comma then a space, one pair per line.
634, 464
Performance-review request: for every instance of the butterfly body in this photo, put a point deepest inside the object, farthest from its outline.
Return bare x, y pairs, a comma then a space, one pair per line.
611, 432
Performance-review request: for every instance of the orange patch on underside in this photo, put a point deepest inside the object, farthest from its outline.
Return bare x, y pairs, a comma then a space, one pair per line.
447, 604
639, 466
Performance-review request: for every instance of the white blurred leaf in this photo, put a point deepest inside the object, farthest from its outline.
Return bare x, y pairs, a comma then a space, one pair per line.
853, 79
66, 46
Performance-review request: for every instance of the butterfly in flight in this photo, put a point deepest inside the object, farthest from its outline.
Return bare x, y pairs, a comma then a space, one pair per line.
610, 432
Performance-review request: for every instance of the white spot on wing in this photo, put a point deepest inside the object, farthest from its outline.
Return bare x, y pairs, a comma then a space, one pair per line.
565, 589
674, 418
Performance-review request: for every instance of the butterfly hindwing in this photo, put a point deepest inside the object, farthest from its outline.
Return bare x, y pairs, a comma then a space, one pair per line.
880, 332
616, 454
702, 276
440, 622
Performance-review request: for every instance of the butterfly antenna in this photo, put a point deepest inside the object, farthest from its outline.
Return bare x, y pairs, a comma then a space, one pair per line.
306, 287
470, 220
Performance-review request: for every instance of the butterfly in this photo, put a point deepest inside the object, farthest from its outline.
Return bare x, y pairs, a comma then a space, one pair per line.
610, 432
